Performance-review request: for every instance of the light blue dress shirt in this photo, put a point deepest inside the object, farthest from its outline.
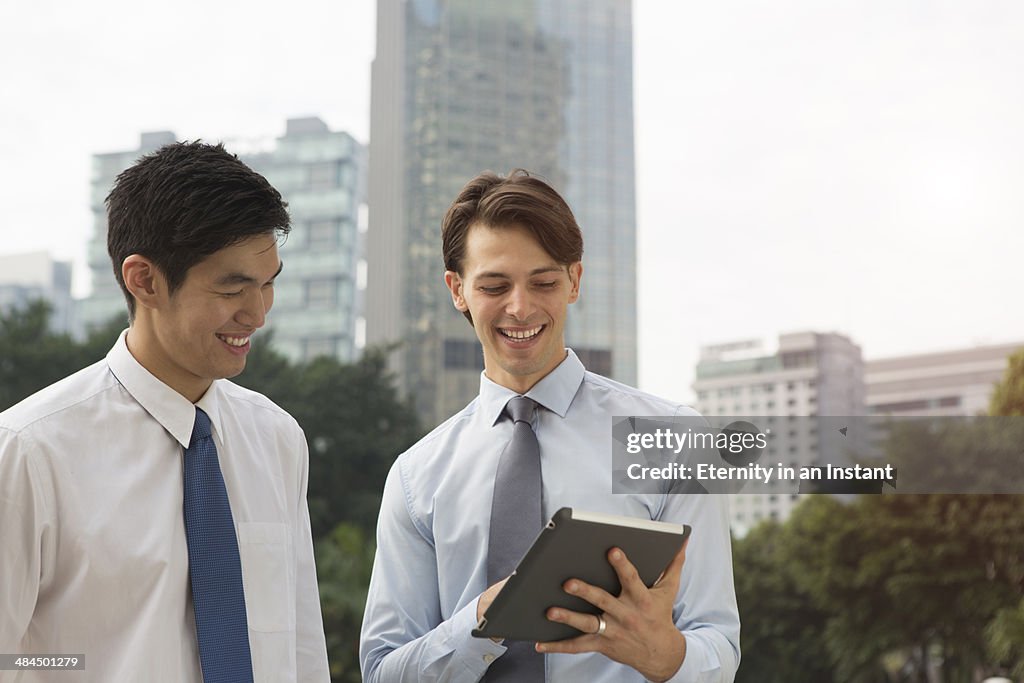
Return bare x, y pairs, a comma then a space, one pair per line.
430, 567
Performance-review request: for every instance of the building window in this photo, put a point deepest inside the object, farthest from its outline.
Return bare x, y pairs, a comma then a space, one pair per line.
463, 355
322, 293
314, 347
323, 175
323, 234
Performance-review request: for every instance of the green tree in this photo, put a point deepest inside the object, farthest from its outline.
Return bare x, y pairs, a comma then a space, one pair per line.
783, 628
32, 356
1005, 633
355, 424
1008, 396
908, 580
1006, 638
344, 560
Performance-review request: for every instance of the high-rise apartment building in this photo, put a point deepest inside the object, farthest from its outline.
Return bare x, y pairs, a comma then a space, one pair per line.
25, 278
955, 382
463, 86
812, 374
106, 301
321, 174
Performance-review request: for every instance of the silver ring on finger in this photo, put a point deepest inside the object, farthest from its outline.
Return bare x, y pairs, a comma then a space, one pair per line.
601, 625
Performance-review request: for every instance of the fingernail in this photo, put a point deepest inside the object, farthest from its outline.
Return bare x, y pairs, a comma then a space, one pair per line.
571, 588
616, 555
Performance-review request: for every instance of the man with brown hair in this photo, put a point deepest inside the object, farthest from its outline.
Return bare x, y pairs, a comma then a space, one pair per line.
461, 506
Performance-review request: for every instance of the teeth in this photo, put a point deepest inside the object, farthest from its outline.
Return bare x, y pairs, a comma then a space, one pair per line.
234, 341
522, 334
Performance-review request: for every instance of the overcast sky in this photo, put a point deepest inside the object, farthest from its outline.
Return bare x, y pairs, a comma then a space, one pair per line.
849, 166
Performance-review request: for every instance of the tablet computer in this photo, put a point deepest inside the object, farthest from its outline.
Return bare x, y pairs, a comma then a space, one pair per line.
575, 544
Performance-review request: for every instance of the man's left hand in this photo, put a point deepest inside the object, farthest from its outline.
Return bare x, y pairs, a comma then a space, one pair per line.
639, 630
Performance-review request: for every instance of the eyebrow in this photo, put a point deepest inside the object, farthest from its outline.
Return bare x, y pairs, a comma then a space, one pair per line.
243, 279
535, 271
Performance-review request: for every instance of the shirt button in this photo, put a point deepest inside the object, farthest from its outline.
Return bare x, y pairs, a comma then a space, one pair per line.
488, 658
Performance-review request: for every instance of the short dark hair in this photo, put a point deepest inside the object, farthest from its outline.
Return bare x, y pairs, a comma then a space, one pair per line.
517, 199
185, 202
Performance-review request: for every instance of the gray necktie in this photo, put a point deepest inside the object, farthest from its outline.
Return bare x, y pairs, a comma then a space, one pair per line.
516, 519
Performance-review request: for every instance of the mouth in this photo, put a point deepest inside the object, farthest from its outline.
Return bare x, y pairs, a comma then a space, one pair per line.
238, 344
518, 335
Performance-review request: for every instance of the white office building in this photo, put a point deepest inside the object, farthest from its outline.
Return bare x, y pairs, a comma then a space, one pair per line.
810, 374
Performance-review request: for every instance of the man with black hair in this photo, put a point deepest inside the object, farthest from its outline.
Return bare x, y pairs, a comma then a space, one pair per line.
153, 514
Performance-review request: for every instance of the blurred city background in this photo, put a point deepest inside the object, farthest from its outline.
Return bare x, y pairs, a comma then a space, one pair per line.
788, 209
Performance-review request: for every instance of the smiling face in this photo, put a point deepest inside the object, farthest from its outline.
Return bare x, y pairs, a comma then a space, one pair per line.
201, 332
518, 296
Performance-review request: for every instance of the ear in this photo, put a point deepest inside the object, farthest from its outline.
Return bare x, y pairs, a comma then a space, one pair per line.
143, 279
575, 275
454, 282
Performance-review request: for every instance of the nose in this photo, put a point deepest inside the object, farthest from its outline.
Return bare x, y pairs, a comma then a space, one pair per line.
518, 305
256, 306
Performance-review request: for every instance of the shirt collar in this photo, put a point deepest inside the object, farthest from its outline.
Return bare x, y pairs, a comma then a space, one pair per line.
174, 412
555, 391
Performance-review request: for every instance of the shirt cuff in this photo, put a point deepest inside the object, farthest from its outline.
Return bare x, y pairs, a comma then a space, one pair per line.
475, 653
695, 667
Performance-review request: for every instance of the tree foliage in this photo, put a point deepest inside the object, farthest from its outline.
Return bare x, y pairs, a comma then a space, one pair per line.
883, 588
354, 422
782, 625
33, 357
344, 560
1008, 396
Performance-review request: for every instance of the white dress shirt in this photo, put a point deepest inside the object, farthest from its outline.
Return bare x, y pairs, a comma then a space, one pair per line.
93, 557
431, 560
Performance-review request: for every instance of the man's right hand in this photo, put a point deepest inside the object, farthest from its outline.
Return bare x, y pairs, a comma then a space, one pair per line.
487, 597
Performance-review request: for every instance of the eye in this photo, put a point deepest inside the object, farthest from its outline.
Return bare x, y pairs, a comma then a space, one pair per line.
231, 294
547, 285
493, 290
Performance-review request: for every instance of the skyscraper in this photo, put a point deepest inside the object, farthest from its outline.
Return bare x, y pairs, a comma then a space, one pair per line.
321, 174
463, 86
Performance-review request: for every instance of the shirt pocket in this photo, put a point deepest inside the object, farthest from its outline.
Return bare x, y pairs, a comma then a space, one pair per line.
267, 575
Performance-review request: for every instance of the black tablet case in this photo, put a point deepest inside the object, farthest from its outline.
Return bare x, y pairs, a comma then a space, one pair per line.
571, 548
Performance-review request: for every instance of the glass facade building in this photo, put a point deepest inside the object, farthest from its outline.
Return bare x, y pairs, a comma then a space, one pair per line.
321, 174
462, 86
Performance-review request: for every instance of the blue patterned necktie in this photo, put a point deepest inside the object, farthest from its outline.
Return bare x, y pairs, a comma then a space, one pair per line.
516, 518
214, 566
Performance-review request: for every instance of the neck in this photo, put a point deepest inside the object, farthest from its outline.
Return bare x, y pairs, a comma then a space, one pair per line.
144, 346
